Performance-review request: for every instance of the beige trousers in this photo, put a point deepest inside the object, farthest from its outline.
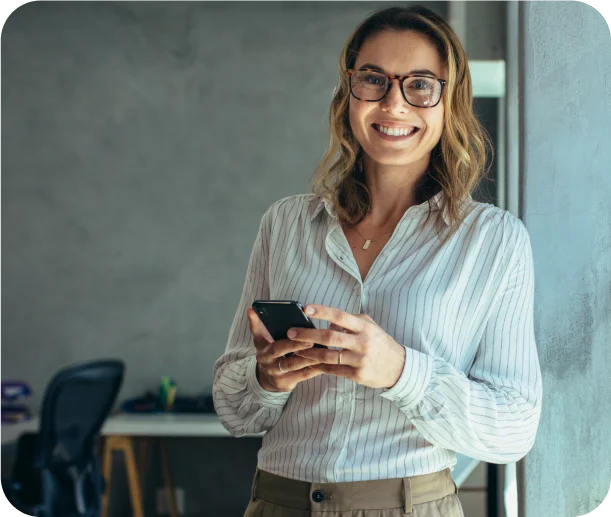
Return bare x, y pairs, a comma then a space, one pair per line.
431, 495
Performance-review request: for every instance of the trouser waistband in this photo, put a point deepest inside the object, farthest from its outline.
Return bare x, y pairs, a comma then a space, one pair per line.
353, 495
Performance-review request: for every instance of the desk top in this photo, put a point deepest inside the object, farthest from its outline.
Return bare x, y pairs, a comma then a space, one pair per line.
165, 424
10, 432
184, 425
141, 424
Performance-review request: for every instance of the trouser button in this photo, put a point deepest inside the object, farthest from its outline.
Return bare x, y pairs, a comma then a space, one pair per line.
318, 496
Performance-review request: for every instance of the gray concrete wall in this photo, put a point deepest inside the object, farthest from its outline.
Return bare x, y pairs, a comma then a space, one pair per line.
566, 207
141, 144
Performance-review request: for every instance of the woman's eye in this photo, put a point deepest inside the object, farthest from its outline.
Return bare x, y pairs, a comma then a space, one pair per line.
374, 80
421, 84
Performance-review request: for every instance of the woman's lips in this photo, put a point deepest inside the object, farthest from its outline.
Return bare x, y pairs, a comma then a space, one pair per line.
392, 138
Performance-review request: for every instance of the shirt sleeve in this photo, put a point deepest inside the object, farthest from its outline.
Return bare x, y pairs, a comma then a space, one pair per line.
242, 405
491, 414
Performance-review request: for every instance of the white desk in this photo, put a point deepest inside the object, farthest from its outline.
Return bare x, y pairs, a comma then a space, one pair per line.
165, 425
119, 429
10, 432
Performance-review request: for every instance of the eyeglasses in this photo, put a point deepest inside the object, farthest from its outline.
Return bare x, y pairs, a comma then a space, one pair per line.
419, 91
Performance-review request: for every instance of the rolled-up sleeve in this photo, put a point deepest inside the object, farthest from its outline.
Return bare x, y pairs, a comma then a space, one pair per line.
242, 405
493, 412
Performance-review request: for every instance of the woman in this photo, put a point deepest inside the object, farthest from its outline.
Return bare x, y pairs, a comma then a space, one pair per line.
422, 296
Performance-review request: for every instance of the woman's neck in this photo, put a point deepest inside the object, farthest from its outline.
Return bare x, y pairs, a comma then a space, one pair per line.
392, 190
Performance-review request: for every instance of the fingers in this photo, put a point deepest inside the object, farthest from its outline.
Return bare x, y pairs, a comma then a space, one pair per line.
294, 370
328, 337
323, 356
292, 364
270, 355
333, 326
284, 346
308, 372
351, 322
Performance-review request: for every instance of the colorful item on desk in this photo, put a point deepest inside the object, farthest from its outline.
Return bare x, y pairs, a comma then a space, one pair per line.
15, 413
12, 392
167, 393
15, 390
150, 403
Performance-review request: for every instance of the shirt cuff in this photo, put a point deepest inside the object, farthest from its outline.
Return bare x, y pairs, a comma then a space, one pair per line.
266, 398
414, 380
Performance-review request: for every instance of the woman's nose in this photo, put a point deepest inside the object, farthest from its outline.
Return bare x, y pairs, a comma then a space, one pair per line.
393, 101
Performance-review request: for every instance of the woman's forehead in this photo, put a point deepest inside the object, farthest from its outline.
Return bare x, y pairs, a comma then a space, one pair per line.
400, 53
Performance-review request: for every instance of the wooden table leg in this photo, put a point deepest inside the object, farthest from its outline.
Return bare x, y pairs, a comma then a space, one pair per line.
132, 475
107, 473
125, 445
169, 481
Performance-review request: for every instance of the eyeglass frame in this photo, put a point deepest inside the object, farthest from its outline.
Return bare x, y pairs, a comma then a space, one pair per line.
401, 79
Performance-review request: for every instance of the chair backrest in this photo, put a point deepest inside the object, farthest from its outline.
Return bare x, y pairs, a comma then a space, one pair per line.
76, 403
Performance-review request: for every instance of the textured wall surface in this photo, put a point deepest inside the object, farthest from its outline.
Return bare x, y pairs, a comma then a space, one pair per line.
567, 210
141, 144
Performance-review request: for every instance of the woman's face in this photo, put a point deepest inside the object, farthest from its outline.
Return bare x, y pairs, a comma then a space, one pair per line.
397, 53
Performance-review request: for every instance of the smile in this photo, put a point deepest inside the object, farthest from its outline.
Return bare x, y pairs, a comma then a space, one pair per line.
389, 133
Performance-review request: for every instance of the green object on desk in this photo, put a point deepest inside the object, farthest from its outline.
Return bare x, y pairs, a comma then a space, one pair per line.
167, 393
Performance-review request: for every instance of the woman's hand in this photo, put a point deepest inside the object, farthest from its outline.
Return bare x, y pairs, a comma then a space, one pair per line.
270, 352
369, 357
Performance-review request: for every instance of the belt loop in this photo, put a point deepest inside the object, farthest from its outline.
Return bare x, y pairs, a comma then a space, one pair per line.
253, 491
407, 495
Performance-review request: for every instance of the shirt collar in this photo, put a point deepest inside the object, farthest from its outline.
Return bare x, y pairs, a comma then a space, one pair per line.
436, 202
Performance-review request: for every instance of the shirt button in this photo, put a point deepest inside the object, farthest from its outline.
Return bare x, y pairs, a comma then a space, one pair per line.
318, 496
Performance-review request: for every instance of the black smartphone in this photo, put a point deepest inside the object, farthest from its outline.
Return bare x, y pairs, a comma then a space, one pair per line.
279, 316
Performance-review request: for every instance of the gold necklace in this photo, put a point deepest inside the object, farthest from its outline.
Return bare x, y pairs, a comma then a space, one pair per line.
369, 241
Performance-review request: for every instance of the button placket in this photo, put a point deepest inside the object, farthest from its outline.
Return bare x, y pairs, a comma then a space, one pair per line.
341, 253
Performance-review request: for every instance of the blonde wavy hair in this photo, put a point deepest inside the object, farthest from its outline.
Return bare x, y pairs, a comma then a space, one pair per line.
458, 161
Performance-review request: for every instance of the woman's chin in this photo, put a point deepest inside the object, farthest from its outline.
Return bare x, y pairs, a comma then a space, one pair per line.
392, 158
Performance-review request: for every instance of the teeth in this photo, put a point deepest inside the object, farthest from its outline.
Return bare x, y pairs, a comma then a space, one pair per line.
395, 131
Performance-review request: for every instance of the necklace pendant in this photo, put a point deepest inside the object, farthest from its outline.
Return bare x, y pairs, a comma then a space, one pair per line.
367, 243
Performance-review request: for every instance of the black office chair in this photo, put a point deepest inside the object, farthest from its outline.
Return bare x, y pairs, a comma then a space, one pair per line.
57, 470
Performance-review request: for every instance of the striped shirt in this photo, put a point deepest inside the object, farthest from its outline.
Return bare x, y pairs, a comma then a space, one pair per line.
463, 309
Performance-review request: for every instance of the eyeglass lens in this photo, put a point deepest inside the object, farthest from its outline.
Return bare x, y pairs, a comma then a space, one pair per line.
372, 86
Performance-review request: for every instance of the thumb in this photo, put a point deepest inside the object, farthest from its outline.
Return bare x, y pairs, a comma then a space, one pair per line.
257, 328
